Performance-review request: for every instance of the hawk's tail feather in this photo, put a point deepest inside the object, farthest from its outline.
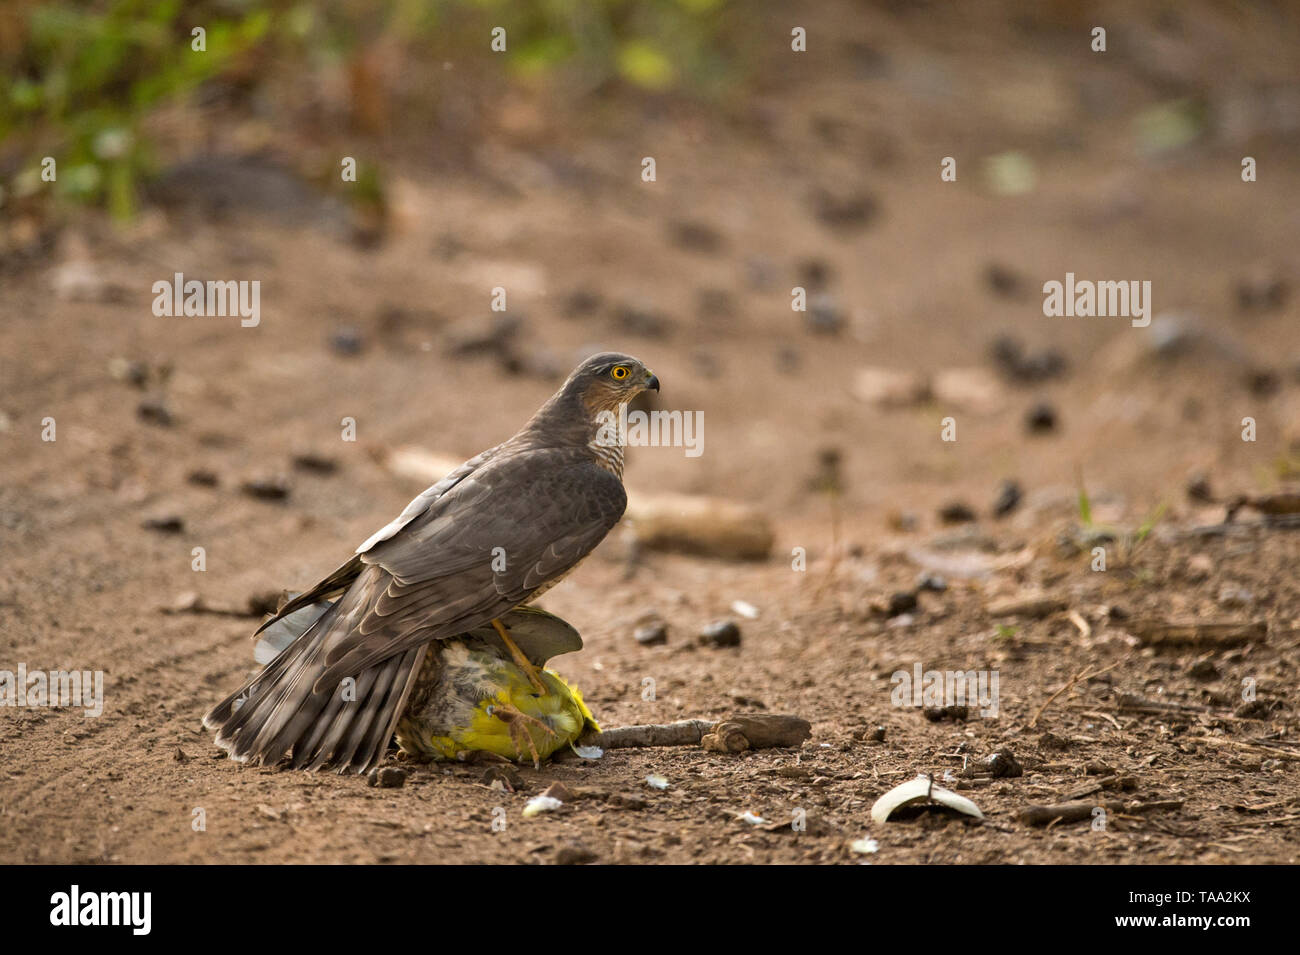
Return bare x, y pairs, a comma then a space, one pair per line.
278, 713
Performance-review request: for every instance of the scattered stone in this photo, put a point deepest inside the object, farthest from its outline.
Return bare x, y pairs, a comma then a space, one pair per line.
1021, 367
503, 776
203, 478
347, 341
574, 855
1199, 568
188, 601
824, 315
876, 734
652, 634
744, 699
1003, 280
926, 580
266, 488
1257, 709
1004, 765
814, 274
890, 388
164, 524
904, 522
956, 512
1261, 289
1203, 670
844, 212
968, 389
1008, 499
696, 237
135, 373
154, 411
1230, 596
937, 714
1263, 382
558, 790
1198, 488
1050, 742
722, 633
180, 756
315, 463
387, 777
901, 601
1040, 419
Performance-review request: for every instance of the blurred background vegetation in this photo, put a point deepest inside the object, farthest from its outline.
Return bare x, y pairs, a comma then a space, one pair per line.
86, 82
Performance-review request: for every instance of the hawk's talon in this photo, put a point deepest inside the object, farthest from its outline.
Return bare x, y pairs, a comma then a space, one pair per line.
519, 734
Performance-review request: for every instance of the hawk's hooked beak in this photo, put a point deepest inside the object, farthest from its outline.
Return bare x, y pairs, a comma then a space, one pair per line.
652, 381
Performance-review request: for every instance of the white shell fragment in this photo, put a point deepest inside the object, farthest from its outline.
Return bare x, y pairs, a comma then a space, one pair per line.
655, 781
744, 609
864, 846
752, 819
540, 804
589, 752
920, 789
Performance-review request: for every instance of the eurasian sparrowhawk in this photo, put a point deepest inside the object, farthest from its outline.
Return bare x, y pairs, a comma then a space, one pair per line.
491, 536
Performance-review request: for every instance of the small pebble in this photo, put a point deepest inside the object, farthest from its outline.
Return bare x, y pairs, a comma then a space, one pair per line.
926, 580
154, 411
266, 489
956, 512
722, 633
652, 634
1040, 419
387, 777
1008, 499
164, 524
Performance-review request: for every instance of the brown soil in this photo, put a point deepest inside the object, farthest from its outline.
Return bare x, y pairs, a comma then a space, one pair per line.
552, 203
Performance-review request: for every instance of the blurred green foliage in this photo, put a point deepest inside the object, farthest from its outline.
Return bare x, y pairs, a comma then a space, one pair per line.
82, 76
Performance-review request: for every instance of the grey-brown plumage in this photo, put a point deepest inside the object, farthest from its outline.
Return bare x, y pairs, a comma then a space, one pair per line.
489, 537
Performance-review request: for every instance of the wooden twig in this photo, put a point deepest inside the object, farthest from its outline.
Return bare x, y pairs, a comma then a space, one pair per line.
1083, 674
731, 735
1074, 811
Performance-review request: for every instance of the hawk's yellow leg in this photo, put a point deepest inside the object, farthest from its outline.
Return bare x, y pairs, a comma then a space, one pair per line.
520, 660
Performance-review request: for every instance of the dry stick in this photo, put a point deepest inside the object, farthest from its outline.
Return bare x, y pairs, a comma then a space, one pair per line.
1261, 822
733, 734
1081, 675
1075, 811
1241, 744
681, 733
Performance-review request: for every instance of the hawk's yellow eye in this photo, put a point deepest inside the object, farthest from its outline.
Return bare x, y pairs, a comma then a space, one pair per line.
619, 372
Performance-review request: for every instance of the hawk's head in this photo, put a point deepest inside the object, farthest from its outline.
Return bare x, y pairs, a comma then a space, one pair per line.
609, 379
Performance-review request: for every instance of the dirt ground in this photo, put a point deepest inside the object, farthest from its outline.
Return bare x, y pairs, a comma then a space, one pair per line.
827, 176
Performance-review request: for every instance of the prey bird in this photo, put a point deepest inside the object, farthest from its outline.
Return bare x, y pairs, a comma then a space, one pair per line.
491, 536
